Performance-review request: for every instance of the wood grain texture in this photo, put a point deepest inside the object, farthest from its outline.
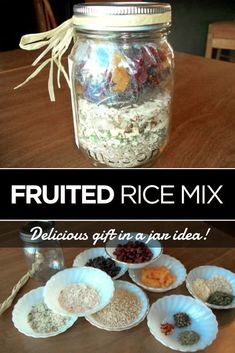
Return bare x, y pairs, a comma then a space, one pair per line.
16, 58
85, 338
37, 133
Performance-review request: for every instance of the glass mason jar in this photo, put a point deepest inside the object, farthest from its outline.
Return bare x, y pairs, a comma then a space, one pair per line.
48, 252
121, 70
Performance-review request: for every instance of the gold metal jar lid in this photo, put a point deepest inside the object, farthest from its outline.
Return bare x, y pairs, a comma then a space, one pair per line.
118, 16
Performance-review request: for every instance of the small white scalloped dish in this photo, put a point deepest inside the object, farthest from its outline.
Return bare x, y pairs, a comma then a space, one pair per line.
207, 272
89, 276
86, 255
23, 307
143, 312
174, 265
203, 321
153, 245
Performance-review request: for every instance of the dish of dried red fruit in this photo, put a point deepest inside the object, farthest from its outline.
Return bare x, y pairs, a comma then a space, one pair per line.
134, 252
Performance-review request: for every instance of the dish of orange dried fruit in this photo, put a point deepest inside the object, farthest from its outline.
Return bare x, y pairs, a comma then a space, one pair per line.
157, 277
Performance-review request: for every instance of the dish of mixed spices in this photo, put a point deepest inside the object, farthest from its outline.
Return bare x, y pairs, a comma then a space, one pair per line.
182, 323
213, 285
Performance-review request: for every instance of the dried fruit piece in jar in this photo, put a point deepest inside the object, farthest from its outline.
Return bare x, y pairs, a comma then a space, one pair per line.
120, 79
120, 76
79, 88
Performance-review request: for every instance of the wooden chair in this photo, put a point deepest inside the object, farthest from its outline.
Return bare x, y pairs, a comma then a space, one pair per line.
221, 35
45, 16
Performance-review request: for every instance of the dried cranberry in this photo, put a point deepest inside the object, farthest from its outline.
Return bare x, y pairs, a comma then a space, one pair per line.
133, 252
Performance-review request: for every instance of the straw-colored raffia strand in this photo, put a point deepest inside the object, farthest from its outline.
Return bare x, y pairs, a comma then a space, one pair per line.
57, 41
7, 303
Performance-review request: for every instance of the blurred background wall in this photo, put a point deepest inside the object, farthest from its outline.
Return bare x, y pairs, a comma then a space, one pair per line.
191, 19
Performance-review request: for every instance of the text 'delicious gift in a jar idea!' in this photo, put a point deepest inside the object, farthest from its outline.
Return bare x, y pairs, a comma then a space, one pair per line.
121, 79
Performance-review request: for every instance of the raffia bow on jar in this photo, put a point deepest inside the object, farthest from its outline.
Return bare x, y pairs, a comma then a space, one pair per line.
120, 78
57, 41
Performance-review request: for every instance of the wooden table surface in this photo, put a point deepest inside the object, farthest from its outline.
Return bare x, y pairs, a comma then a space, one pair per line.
85, 338
37, 133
